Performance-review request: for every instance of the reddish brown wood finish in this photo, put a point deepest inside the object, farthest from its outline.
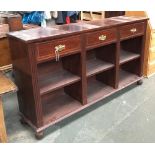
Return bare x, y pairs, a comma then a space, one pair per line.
125, 56
5, 56
15, 23
46, 50
97, 90
96, 66
53, 75
93, 38
88, 70
132, 30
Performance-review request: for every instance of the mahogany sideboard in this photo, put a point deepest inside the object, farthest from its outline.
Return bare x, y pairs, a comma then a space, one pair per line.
63, 69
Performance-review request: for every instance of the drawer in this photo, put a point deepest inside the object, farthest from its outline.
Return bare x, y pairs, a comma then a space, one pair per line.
101, 37
65, 46
131, 30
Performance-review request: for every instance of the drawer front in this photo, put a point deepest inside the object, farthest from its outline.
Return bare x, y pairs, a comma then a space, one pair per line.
47, 50
131, 30
101, 37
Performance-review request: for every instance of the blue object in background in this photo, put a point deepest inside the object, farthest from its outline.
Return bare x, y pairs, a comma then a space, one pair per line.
35, 17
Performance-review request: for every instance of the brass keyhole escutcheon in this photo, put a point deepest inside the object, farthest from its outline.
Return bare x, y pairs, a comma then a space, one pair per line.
58, 49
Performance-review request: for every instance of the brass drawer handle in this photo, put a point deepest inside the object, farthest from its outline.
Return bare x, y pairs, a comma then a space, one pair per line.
133, 30
58, 49
102, 37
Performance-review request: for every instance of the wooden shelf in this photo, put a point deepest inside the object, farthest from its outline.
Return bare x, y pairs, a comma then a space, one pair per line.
127, 78
98, 90
95, 66
57, 106
126, 56
50, 82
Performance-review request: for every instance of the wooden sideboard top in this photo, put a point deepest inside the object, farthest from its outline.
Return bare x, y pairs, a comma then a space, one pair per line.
40, 34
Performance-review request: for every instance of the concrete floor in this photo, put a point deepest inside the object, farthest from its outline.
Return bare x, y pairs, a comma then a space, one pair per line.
128, 116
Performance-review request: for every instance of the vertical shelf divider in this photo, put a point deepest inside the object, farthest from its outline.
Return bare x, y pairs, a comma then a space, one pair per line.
117, 67
83, 69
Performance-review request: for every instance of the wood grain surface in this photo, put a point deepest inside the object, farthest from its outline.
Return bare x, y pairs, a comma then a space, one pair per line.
3, 136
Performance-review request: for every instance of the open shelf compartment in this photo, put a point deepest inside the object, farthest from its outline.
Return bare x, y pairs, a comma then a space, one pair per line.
100, 86
53, 75
58, 105
126, 56
100, 59
130, 49
129, 73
